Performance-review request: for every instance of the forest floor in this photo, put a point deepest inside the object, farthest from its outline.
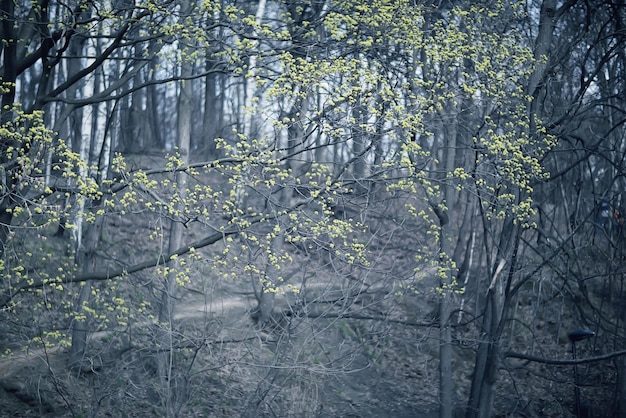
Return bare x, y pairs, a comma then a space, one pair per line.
368, 391
379, 368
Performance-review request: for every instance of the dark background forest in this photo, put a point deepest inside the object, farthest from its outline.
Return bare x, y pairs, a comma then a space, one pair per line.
312, 208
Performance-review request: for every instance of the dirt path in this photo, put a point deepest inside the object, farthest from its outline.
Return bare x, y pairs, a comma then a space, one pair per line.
224, 307
198, 309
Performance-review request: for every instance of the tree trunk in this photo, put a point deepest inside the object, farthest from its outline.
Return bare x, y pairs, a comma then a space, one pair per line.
153, 115
485, 367
621, 370
446, 386
547, 22
86, 258
86, 139
165, 361
250, 92
265, 295
447, 274
211, 121
495, 317
9, 75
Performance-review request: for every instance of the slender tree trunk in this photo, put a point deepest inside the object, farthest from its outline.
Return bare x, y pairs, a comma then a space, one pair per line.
211, 117
9, 75
359, 137
266, 292
620, 362
446, 386
165, 360
87, 233
153, 117
85, 236
547, 22
497, 305
250, 91
485, 369
86, 258
447, 274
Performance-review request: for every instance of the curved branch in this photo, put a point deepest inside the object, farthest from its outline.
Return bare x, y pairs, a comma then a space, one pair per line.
6, 298
115, 44
535, 359
111, 274
107, 94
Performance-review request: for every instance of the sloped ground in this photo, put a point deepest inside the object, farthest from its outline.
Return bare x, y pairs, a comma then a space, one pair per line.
315, 365
378, 370
338, 349
34, 383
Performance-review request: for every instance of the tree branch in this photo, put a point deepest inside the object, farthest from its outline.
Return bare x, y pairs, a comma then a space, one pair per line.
97, 61
535, 359
6, 298
111, 274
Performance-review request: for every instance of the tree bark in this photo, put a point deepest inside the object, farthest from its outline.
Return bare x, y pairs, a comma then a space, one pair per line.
485, 368
250, 92
498, 299
86, 258
446, 385
9, 75
212, 117
265, 294
83, 134
165, 361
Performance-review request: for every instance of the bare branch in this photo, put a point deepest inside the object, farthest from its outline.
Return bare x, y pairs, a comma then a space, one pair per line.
557, 362
111, 274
